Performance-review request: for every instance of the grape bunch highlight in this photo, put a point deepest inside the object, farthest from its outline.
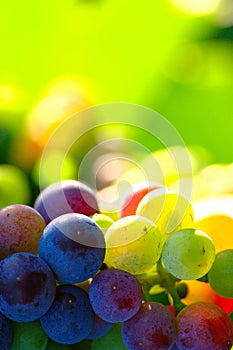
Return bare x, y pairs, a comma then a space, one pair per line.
73, 277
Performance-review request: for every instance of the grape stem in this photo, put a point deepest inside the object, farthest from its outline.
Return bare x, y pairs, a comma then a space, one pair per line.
168, 281
165, 280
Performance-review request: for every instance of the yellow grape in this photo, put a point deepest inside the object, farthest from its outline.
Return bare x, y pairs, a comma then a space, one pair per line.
170, 210
133, 244
219, 228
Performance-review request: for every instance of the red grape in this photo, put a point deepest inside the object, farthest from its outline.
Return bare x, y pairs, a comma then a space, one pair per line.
204, 326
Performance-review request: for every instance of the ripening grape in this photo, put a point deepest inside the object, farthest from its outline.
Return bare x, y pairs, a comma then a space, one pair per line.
67, 196
134, 195
170, 210
28, 336
220, 275
204, 326
115, 295
133, 244
152, 328
20, 229
188, 254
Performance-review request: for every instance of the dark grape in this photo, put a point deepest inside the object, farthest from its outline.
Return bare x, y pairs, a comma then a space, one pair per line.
73, 246
204, 326
115, 295
70, 318
152, 328
27, 287
67, 196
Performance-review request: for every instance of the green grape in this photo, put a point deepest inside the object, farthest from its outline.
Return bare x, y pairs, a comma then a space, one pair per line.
28, 336
104, 221
14, 186
133, 244
112, 340
188, 254
170, 210
220, 275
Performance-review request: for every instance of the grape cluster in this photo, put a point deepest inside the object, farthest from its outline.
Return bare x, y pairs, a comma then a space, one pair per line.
73, 278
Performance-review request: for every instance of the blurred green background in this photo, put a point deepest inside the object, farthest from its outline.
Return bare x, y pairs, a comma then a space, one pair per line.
174, 56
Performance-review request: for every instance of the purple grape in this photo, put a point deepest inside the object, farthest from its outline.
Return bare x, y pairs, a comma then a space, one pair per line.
152, 328
27, 287
67, 196
6, 333
70, 318
115, 295
100, 328
73, 246
204, 326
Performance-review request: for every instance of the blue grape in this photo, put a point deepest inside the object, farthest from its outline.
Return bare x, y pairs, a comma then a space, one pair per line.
67, 196
27, 287
115, 295
100, 328
152, 328
70, 318
73, 246
6, 333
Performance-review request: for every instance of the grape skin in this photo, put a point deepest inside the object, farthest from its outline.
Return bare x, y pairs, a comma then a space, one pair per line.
133, 244
103, 221
20, 229
70, 318
152, 328
168, 209
221, 274
188, 254
27, 287
115, 295
204, 326
64, 197
135, 195
73, 246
